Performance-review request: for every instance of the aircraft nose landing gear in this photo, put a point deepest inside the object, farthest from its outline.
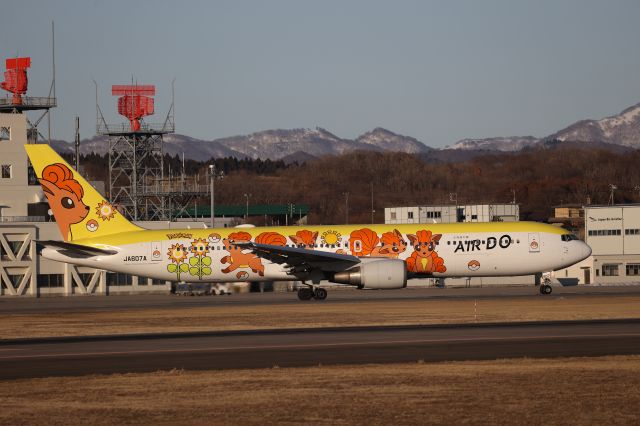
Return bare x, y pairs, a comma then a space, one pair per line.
308, 293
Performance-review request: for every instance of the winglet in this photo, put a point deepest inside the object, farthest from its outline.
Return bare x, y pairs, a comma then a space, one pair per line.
80, 211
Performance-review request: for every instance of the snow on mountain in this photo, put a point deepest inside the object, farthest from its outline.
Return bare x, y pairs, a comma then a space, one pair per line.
389, 141
622, 129
289, 144
503, 144
277, 144
304, 144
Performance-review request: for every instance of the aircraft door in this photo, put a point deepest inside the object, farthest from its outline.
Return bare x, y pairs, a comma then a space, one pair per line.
534, 242
156, 251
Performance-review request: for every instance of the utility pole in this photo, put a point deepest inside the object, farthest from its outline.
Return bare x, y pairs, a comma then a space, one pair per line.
612, 188
246, 216
212, 179
372, 209
346, 210
77, 144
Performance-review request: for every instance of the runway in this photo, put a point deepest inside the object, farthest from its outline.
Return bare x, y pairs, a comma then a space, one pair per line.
307, 347
342, 295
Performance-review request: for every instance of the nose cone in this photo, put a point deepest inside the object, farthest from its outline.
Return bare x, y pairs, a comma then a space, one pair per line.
585, 249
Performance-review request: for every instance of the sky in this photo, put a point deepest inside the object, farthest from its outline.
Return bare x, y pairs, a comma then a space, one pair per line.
439, 71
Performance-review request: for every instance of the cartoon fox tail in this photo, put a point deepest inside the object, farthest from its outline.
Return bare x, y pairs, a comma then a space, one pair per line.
80, 211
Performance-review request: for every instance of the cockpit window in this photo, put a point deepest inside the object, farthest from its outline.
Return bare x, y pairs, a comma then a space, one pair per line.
569, 237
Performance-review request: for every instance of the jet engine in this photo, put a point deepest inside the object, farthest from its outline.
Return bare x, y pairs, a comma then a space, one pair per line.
375, 274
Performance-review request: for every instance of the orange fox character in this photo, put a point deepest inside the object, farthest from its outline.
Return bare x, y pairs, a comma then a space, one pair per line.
362, 242
424, 259
304, 239
236, 258
271, 238
64, 194
392, 245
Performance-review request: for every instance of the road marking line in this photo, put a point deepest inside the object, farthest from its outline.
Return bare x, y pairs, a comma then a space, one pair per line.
316, 345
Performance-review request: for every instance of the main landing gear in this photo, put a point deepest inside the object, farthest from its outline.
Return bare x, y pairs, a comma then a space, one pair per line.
311, 292
545, 287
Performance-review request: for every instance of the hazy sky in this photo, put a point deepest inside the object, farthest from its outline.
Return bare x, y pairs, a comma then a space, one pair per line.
439, 71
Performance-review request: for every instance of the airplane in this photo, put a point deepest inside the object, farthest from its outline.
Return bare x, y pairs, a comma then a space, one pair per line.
96, 234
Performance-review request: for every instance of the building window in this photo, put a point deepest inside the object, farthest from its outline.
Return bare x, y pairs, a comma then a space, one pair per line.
633, 269
474, 217
434, 215
50, 280
605, 232
5, 169
410, 215
118, 279
393, 215
32, 179
632, 232
610, 270
5, 133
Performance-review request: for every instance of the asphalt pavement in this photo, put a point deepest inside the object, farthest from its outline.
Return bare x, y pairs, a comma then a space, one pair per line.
44, 357
9, 305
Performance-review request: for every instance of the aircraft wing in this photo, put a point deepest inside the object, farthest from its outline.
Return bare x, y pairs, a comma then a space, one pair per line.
76, 250
300, 259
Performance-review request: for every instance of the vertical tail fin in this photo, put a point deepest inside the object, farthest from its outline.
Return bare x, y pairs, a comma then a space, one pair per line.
80, 211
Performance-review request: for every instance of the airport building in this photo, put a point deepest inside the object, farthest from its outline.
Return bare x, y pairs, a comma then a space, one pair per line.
453, 213
613, 232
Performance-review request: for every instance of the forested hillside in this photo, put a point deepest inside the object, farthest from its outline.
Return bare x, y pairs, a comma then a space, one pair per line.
541, 180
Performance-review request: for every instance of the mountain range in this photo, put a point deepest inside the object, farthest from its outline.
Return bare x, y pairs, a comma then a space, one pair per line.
618, 132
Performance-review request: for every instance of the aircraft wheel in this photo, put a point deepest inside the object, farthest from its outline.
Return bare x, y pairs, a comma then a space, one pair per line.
321, 293
305, 293
545, 289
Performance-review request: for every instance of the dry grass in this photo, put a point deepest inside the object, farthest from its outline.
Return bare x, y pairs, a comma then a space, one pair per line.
525, 391
151, 320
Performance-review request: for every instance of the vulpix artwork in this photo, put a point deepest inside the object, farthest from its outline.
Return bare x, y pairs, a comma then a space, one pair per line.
64, 194
424, 258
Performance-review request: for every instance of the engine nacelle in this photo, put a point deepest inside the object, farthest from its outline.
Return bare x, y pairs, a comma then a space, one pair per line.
375, 274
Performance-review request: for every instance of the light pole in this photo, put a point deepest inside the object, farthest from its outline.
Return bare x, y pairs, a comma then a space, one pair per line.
373, 211
246, 216
212, 179
346, 210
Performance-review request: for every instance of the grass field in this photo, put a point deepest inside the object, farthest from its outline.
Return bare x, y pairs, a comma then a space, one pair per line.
522, 391
356, 313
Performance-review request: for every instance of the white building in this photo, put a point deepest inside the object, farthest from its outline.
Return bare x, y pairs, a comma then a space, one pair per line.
613, 232
452, 213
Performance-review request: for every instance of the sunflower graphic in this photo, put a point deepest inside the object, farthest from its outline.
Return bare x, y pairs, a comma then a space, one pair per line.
199, 263
105, 211
331, 237
199, 247
177, 253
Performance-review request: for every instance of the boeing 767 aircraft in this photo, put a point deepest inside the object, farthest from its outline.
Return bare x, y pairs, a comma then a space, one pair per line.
96, 234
